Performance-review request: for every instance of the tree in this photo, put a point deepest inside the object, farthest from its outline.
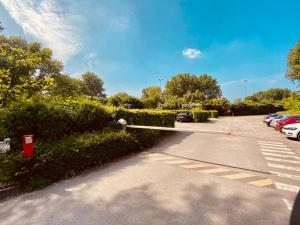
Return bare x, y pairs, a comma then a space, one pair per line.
125, 100
209, 86
152, 96
272, 94
182, 84
66, 86
293, 72
25, 68
92, 85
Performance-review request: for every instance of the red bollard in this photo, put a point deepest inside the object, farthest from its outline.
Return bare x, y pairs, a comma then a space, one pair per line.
28, 144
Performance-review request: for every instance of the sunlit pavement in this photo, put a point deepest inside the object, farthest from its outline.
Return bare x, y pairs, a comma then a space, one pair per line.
186, 179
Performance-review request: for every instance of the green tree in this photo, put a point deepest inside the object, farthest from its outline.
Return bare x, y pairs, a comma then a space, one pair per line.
1, 27
25, 68
125, 100
152, 96
182, 84
66, 86
92, 85
293, 72
209, 86
272, 94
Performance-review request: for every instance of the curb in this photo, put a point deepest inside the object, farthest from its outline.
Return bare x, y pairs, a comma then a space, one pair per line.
8, 192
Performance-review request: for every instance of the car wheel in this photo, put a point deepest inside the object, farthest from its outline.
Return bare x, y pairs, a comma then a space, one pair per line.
298, 136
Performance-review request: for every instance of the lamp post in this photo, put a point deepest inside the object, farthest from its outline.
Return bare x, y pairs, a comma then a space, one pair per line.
160, 80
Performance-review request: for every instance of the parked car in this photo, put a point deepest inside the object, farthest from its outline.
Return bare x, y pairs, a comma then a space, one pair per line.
184, 117
275, 119
292, 130
287, 120
269, 118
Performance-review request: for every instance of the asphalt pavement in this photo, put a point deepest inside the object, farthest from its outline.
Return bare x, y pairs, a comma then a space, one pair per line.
248, 177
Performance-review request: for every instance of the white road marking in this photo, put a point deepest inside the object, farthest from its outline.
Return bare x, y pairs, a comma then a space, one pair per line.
268, 150
286, 175
274, 145
288, 204
287, 187
280, 155
282, 160
270, 142
271, 147
284, 167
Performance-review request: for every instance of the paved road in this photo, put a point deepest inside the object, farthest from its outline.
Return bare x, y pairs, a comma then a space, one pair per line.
186, 179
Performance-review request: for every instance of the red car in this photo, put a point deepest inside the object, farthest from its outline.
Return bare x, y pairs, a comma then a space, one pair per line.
288, 120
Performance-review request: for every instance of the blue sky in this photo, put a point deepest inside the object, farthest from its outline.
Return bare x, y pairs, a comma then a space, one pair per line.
132, 43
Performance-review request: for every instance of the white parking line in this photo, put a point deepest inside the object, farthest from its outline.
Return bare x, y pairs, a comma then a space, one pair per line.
286, 175
271, 147
280, 155
287, 187
270, 142
284, 167
286, 152
283, 160
288, 204
274, 145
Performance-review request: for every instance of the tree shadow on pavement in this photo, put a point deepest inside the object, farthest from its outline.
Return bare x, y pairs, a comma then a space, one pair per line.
144, 205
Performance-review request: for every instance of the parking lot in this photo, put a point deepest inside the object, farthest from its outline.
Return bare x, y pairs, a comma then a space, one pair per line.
249, 177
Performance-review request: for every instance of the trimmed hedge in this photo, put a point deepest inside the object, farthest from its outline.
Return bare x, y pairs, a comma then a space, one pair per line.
53, 119
66, 157
213, 113
200, 115
242, 108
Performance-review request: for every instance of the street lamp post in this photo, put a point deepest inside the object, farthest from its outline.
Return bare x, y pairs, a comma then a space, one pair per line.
245, 82
160, 80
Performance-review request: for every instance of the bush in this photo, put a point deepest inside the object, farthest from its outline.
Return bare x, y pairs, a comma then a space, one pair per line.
52, 119
165, 118
200, 115
213, 113
222, 105
243, 108
68, 156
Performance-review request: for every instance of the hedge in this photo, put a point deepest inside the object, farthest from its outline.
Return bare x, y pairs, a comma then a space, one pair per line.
66, 157
200, 115
213, 113
254, 109
53, 119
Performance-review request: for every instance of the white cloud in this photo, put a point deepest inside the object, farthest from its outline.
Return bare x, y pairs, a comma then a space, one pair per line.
191, 53
44, 21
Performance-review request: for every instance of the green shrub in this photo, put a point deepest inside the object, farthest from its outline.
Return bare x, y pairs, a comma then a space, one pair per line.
52, 119
68, 156
213, 113
165, 118
222, 105
243, 108
200, 115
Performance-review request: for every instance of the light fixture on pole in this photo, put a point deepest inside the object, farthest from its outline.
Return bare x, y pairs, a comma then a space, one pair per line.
160, 80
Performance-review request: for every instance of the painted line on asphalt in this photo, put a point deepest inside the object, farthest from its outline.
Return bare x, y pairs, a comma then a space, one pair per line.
286, 175
270, 142
238, 176
284, 149
261, 183
193, 166
216, 170
286, 152
284, 167
282, 160
288, 204
287, 187
280, 155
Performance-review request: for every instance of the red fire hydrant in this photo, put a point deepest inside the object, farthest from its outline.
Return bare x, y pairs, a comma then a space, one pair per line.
28, 144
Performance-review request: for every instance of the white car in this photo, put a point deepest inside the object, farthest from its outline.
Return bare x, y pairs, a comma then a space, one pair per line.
292, 130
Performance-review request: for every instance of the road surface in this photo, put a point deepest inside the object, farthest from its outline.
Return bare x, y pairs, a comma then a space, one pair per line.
250, 177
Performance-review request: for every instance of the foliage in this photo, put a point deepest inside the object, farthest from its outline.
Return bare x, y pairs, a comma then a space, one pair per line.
122, 99
66, 86
196, 96
92, 85
179, 85
292, 103
213, 113
244, 108
200, 115
53, 118
68, 156
152, 96
1, 27
222, 105
173, 102
272, 95
293, 72
25, 68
